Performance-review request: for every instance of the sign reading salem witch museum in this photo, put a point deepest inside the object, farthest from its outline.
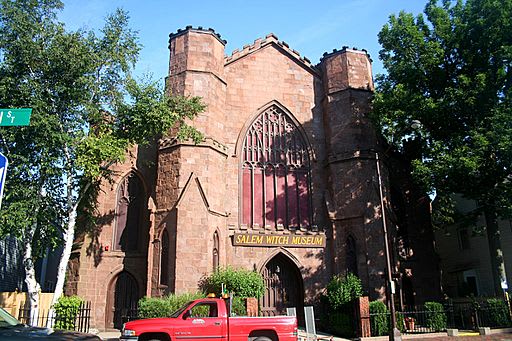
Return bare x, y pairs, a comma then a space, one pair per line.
288, 240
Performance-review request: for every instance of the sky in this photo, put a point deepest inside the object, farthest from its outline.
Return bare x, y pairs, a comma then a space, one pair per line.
309, 27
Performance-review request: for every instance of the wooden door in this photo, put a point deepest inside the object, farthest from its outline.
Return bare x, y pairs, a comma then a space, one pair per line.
124, 295
284, 288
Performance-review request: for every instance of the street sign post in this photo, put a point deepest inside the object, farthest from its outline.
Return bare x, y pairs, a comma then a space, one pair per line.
3, 171
15, 117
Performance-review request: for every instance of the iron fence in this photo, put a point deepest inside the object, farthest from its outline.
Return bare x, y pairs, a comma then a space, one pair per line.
493, 313
81, 322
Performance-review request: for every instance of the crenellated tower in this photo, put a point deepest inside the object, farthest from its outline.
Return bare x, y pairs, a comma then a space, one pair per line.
351, 142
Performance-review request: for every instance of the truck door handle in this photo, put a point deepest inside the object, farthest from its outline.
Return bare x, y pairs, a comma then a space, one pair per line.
218, 323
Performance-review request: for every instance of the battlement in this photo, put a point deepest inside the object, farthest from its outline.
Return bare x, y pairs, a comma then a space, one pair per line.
345, 49
198, 29
259, 43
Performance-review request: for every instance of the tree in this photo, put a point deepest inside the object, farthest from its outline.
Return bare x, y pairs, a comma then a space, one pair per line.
451, 70
87, 112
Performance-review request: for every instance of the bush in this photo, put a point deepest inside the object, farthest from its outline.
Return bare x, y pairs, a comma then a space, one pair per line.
238, 306
379, 318
243, 283
341, 324
66, 311
342, 290
498, 313
149, 307
435, 316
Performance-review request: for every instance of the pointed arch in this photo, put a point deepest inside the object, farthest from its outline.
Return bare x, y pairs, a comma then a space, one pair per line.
130, 204
164, 258
122, 297
216, 251
351, 255
275, 171
284, 286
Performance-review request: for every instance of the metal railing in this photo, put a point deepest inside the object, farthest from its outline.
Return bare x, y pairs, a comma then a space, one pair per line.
492, 313
81, 322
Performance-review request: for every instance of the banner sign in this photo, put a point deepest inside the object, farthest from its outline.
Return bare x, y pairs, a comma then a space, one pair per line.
285, 240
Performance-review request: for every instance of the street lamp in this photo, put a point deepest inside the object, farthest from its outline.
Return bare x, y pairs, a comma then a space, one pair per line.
395, 333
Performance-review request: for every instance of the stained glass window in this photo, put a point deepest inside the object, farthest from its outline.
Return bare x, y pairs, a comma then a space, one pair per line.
276, 174
130, 200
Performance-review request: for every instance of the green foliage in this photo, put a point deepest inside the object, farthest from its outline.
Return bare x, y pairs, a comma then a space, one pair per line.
341, 323
400, 321
243, 283
149, 307
66, 312
450, 69
435, 316
238, 307
498, 313
342, 290
379, 321
88, 112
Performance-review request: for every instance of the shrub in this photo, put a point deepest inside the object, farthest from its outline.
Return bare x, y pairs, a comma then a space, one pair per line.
149, 307
341, 324
379, 318
66, 311
342, 290
400, 321
498, 313
238, 306
243, 283
435, 316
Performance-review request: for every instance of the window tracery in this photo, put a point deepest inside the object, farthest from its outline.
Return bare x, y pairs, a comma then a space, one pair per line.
276, 173
130, 200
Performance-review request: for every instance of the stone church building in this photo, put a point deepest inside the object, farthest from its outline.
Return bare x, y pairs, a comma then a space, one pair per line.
284, 183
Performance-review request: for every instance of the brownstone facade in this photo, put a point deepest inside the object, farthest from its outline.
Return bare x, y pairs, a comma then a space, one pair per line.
321, 184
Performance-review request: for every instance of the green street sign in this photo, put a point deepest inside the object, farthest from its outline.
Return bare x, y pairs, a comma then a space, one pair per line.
15, 117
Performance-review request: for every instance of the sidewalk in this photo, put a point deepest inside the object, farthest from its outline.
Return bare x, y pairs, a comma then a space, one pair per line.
496, 335
110, 336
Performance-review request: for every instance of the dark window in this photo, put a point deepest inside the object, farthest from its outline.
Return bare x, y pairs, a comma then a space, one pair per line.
351, 255
164, 259
203, 310
215, 251
276, 174
130, 200
463, 236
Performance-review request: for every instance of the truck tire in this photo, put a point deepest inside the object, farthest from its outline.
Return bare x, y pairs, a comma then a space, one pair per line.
262, 338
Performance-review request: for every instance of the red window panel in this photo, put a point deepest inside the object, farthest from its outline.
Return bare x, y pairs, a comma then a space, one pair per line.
258, 207
270, 197
303, 191
276, 185
247, 197
281, 196
293, 218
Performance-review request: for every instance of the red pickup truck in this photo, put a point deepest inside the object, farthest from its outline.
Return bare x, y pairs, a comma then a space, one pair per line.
208, 319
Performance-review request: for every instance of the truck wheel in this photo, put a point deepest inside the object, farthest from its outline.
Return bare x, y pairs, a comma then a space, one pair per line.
262, 338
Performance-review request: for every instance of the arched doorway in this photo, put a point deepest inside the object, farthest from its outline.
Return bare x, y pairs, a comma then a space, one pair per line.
122, 302
283, 287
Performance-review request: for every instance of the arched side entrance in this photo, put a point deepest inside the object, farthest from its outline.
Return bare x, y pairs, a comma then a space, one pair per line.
283, 286
123, 295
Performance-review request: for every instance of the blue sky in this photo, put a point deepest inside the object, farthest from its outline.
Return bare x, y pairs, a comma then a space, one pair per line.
311, 28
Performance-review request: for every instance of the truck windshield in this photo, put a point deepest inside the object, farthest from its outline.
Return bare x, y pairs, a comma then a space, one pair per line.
179, 311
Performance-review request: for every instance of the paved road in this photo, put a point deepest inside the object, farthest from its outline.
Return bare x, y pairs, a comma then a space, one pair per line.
114, 336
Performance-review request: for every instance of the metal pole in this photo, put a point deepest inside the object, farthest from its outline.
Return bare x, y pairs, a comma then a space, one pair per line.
394, 333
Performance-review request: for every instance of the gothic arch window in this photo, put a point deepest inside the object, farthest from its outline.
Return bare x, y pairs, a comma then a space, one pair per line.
164, 259
276, 173
215, 251
130, 202
351, 254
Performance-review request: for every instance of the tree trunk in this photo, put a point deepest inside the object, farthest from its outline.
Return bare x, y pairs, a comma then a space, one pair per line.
68, 237
496, 253
33, 286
